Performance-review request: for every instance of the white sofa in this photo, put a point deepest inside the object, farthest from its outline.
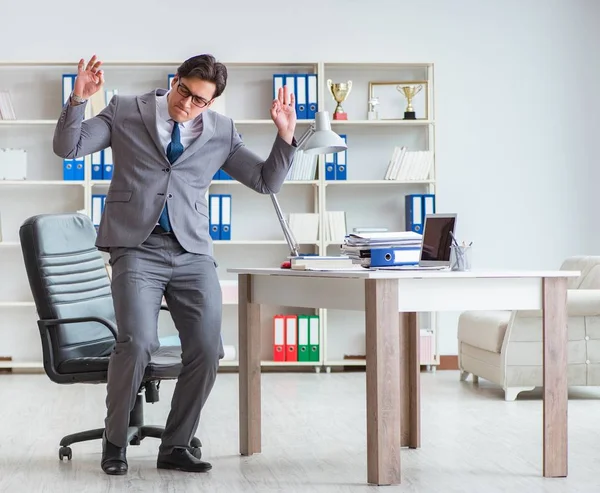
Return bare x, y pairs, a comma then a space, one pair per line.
505, 347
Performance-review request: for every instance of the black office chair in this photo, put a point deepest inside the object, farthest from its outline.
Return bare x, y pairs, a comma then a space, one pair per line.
72, 295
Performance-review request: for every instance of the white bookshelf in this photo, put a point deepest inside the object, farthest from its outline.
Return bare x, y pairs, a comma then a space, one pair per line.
257, 240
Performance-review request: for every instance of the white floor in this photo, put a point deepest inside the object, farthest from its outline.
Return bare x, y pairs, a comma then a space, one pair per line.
313, 439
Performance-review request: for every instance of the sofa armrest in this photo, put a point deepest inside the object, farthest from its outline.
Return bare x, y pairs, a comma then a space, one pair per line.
580, 303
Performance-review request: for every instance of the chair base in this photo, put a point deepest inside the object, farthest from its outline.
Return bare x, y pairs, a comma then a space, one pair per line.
135, 435
136, 432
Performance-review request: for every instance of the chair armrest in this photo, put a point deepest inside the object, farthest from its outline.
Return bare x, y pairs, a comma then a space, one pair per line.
57, 321
580, 303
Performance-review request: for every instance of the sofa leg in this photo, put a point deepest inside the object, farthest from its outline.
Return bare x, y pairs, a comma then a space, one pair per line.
465, 374
510, 394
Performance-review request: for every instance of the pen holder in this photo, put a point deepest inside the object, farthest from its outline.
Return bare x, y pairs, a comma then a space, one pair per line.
460, 258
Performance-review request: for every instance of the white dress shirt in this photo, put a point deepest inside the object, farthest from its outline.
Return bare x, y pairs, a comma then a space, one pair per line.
164, 123
189, 130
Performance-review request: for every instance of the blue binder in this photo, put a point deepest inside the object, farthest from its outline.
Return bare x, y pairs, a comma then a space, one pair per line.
68, 169
107, 164
300, 95
330, 165
225, 217
341, 162
413, 209
214, 216
385, 257
79, 168
311, 96
416, 207
97, 165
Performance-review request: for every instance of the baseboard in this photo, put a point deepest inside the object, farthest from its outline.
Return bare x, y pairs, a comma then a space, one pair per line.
448, 362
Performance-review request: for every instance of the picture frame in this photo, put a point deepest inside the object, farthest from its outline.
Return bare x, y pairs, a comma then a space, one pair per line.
392, 102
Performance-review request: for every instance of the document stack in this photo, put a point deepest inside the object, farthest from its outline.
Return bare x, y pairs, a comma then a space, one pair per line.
314, 262
383, 249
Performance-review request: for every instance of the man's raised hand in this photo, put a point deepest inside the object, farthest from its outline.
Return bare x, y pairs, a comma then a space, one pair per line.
89, 78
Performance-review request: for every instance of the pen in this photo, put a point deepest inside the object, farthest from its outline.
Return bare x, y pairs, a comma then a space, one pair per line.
454, 239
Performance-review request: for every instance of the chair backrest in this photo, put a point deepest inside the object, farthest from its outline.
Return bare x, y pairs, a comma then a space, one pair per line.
589, 266
68, 279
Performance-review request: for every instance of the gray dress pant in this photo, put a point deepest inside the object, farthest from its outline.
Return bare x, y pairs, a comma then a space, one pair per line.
189, 282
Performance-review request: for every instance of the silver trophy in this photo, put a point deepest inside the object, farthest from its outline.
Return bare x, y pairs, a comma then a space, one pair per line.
373, 114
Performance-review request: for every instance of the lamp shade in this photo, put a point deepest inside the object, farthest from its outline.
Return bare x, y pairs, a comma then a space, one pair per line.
323, 140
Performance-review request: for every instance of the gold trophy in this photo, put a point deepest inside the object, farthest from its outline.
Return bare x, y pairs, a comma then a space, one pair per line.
340, 92
409, 93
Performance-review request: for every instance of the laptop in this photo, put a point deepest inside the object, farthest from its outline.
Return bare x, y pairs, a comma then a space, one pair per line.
438, 231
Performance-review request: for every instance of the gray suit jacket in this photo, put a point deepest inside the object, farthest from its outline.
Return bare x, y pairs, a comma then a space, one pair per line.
143, 179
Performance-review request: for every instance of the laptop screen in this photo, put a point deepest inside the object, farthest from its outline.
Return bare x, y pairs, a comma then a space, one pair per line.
437, 238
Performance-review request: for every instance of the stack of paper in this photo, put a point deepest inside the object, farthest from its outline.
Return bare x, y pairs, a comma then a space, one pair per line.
358, 247
314, 262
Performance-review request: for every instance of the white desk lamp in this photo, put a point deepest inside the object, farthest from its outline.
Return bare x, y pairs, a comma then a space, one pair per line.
318, 139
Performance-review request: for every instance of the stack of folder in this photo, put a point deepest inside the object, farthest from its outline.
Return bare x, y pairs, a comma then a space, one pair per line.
296, 338
219, 211
383, 249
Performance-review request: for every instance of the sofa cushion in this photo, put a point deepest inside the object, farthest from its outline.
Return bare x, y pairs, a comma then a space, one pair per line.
592, 279
483, 329
589, 266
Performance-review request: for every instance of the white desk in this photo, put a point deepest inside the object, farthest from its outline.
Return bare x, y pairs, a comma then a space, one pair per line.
392, 365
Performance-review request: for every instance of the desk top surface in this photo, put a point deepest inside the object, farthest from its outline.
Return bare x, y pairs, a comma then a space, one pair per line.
405, 274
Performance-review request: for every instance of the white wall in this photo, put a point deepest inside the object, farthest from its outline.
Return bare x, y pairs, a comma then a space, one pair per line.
516, 86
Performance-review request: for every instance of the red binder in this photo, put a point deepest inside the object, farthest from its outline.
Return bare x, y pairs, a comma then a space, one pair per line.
291, 337
278, 338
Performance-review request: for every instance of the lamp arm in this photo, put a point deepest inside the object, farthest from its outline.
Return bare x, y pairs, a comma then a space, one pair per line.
306, 135
287, 232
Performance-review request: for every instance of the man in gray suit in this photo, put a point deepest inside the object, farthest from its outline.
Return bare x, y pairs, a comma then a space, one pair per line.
166, 146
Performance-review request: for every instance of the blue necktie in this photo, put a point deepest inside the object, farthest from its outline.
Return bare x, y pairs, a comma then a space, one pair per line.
174, 150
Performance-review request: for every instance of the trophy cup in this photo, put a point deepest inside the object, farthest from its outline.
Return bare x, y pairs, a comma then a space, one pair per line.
340, 92
372, 114
409, 93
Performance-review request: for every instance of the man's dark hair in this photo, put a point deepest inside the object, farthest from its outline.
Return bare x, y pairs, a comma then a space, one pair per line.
207, 68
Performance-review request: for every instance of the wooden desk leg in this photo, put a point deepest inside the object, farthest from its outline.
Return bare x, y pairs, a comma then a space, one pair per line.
383, 381
410, 380
249, 368
555, 376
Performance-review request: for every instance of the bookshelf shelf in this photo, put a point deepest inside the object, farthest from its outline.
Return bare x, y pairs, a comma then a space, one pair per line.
52, 123
22, 365
106, 183
377, 182
364, 196
347, 362
40, 183
248, 242
27, 122
400, 123
16, 304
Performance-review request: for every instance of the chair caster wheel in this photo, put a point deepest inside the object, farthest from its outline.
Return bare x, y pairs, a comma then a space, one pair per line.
65, 452
195, 442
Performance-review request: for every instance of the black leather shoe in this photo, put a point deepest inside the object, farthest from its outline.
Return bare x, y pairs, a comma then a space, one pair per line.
114, 460
182, 459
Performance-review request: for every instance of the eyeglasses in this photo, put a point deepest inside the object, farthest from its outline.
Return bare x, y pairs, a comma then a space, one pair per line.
196, 100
